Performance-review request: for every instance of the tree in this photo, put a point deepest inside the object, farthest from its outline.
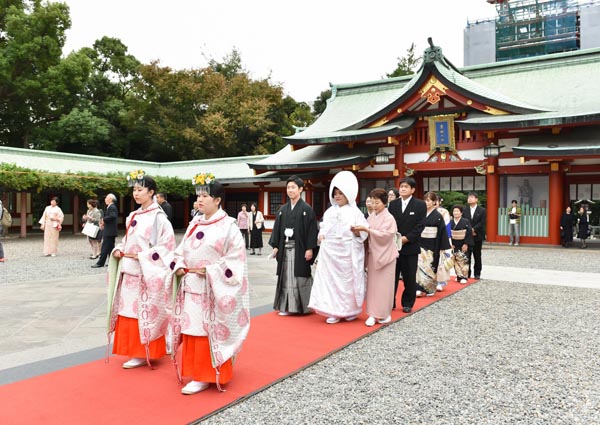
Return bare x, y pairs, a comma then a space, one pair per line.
32, 35
320, 102
406, 64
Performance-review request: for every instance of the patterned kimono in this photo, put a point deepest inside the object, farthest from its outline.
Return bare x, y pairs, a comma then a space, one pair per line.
215, 306
339, 284
446, 258
461, 235
433, 239
140, 289
52, 222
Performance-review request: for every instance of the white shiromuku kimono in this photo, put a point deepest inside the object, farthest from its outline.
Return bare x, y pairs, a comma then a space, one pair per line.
141, 289
339, 283
217, 305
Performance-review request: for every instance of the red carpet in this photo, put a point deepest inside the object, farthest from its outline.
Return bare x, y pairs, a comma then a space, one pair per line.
99, 393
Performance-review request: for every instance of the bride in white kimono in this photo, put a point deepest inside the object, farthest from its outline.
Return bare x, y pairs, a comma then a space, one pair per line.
212, 305
339, 285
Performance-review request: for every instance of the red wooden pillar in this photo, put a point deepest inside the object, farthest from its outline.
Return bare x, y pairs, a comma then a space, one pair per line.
186, 212
75, 214
493, 193
309, 193
261, 199
398, 164
555, 202
23, 229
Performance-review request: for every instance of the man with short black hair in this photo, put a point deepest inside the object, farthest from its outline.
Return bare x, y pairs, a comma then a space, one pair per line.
410, 214
161, 198
477, 217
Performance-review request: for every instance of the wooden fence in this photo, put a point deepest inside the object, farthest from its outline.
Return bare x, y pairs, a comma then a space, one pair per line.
534, 221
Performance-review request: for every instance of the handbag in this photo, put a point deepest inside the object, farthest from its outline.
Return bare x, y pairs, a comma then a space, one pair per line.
90, 229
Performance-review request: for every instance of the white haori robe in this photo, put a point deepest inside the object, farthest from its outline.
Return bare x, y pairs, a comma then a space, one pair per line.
141, 289
216, 305
339, 283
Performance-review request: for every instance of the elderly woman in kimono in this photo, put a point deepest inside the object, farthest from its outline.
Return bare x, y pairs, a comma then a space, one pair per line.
381, 259
139, 289
212, 315
462, 242
339, 285
51, 224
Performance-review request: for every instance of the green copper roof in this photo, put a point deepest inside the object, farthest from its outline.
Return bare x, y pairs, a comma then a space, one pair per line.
574, 142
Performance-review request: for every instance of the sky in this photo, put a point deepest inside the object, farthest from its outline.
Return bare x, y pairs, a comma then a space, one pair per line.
301, 45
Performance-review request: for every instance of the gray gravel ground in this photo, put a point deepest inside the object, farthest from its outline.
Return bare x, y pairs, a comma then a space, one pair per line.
494, 353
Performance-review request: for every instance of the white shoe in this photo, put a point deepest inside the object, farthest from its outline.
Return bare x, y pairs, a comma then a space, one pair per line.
370, 321
384, 321
332, 320
133, 363
283, 313
517, 244
351, 318
52, 255
430, 295
419, 294
463, 281
194, 387
439, 288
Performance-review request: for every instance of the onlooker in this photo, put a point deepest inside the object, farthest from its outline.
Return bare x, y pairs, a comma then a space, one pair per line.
583, 227
161, 198
108, 225
381, 259
369, 206
514, 217
51, 224
392, 194
443, 271
139, 294
2, 259
434, 239
93, 215
294, 242
477, 218
567, 221
242, 223
211, 260
195, 211
462, 243
257, 222
410, 214
339, 287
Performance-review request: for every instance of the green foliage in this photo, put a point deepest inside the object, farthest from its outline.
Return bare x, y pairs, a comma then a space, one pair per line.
320, 102
406, 64
88, 184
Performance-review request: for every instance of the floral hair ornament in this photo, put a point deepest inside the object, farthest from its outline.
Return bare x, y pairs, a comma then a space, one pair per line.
202, 182
136, 177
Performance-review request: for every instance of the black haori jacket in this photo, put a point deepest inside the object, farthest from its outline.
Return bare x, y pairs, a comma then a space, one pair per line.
302, 219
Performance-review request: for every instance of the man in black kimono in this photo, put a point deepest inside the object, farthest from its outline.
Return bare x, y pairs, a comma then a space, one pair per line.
294, 242
477, 217
410, 214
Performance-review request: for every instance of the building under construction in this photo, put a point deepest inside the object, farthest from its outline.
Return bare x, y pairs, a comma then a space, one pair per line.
524, 28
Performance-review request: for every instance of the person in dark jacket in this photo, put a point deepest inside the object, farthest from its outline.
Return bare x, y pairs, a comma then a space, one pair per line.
477, 217
294, 242
161, 198
410, 214
567, 221
583, 227
108, 224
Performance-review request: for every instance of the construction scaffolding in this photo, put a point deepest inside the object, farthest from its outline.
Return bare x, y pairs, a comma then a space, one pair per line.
535, 27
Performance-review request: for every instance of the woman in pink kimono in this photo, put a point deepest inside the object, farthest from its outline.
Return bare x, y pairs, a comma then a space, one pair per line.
212, 307
339, 286
139, 284
51, 224
381, 259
